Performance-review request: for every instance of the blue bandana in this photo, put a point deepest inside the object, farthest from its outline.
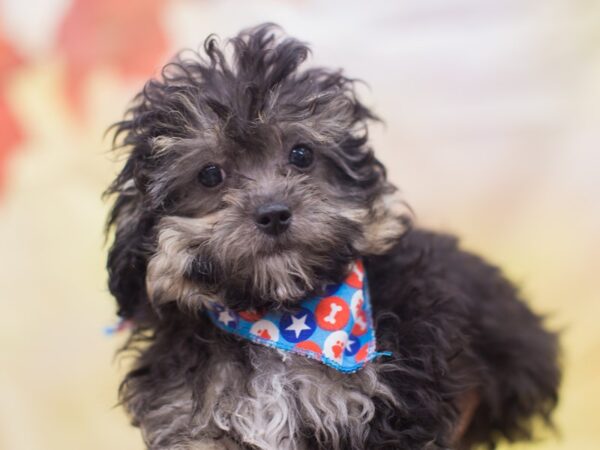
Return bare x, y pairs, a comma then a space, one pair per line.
335, 329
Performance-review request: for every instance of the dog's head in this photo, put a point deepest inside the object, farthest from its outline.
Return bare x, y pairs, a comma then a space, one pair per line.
249, 180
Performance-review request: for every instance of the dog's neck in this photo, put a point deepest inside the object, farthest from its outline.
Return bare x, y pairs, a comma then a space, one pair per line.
335, 329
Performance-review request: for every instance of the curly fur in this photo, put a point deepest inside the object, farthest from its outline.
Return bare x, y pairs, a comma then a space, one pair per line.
455, 325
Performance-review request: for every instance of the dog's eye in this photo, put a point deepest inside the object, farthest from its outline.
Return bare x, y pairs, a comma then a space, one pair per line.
301, 156
211, 175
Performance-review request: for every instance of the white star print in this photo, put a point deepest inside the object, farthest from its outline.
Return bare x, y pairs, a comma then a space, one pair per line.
298, 325
350, 344
225, 317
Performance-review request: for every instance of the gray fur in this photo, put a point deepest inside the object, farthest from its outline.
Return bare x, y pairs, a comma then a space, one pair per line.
284, 395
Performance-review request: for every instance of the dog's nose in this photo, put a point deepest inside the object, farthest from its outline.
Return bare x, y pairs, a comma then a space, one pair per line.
273, 218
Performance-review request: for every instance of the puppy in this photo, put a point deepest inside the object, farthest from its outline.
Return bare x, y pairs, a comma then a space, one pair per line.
250, 187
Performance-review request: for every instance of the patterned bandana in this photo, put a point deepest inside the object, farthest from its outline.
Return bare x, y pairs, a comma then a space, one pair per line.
336, 329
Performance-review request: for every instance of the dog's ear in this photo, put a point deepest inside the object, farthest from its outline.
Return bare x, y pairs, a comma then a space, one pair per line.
132, 218
131, 247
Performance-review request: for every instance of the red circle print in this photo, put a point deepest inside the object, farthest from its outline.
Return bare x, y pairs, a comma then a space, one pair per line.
251, 315
310, 346
362, 353
332, 313
355, 278
360, 327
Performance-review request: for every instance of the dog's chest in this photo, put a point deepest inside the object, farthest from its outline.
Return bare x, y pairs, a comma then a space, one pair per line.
274, 399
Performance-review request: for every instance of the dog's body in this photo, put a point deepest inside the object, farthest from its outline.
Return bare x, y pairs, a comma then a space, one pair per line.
455, 326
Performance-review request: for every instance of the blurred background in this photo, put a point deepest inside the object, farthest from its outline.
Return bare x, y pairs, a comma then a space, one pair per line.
492, 131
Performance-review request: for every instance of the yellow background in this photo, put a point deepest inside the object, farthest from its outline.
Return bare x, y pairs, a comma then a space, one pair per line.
492, 131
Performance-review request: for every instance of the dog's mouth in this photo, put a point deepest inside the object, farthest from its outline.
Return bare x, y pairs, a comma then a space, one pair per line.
245, 267
272, 246
279, 277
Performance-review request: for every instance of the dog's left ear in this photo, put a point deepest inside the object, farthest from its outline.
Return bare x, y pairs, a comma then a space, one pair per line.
131, 247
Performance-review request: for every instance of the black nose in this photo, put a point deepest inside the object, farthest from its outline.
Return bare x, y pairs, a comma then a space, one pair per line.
273, 218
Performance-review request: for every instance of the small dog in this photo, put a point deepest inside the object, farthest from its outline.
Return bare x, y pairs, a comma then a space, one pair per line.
250, 186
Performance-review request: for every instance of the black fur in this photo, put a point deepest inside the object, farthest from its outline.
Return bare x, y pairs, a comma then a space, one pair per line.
454, 324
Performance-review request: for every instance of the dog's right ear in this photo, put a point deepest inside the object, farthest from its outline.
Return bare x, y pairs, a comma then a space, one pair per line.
131, 247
